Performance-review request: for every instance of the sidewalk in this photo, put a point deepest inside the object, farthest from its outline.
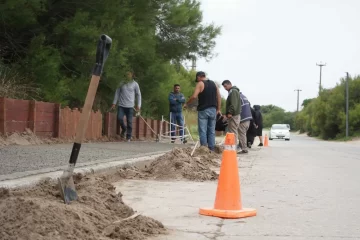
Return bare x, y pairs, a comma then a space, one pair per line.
299, 189
176, 204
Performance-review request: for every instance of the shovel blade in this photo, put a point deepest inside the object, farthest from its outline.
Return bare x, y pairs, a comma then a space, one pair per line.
67, 189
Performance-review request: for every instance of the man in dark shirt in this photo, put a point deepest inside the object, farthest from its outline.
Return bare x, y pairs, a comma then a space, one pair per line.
176, 99
209, 105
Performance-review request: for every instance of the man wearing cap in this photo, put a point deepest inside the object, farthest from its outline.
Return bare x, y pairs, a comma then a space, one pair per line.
209, 104
233, 108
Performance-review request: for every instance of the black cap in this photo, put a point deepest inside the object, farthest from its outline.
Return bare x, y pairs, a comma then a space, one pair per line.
198, 74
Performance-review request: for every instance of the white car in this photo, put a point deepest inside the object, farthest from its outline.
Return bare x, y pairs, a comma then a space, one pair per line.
279, 131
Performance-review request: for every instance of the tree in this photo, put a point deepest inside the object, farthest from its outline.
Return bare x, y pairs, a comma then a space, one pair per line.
306, 102
54, 48
275, 115
324, 116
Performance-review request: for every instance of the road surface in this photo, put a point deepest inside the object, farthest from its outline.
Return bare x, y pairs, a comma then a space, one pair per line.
15, 159
302, 189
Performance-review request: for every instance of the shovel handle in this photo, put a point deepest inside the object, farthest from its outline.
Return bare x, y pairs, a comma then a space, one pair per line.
102, 52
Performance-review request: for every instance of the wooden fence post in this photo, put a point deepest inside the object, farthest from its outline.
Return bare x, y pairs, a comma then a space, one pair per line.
3, 115
32, 116
57, 131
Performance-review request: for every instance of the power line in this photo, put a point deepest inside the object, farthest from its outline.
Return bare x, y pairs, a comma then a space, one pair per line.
320, 65
298, 91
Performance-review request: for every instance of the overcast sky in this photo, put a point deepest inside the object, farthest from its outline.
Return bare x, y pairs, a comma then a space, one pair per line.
270, 48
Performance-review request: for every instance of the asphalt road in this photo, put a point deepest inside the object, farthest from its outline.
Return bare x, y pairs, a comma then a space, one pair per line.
303, 189
14, 159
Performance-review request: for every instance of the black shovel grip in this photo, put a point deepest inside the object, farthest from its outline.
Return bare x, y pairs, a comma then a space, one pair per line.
102, 52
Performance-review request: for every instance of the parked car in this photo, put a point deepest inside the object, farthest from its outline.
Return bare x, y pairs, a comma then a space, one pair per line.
279, 131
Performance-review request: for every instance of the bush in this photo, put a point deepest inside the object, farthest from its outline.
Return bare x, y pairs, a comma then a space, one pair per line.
324, 116
12, 85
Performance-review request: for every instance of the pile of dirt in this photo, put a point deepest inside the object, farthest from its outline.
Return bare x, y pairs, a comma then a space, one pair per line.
3, 142
38, 213
25, 138
176, 165
29, 138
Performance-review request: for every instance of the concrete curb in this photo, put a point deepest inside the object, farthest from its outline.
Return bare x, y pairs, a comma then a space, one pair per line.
32, 177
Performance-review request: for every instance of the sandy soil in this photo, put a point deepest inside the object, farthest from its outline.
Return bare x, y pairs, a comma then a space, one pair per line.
38, 213
29, 138
178, 165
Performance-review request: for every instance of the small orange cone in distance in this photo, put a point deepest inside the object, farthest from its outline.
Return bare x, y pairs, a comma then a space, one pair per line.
266, 141
228, 195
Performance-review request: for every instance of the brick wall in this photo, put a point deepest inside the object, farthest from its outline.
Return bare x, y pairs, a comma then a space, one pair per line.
69, 119
16, 115
50, 120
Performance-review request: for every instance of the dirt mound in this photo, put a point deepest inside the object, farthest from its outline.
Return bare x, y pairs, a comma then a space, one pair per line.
38, 213
178, 164
29, 138
3, 142
25, 138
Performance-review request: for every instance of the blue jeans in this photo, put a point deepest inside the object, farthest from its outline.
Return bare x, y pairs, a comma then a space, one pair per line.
177, 118
206, 127
128, 112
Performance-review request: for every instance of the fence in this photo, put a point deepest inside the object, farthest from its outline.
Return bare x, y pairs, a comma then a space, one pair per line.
50, 120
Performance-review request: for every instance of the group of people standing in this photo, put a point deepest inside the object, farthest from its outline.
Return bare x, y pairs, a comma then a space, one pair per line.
242, 120
239, 118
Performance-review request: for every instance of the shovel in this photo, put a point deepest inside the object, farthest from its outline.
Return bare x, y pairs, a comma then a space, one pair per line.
66, 181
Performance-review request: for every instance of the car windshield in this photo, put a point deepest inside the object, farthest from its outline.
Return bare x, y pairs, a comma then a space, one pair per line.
279, 127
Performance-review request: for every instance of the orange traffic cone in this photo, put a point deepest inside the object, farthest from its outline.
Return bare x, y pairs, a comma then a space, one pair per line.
266, 141
228, 195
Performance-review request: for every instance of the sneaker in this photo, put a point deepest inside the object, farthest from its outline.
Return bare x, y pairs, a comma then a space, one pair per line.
184, 141
244, 152
128, 140
260, 145
249, 144
172, 141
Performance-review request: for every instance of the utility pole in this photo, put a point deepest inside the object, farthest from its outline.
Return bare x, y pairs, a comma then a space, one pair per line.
320, 65
298, 90
347, 104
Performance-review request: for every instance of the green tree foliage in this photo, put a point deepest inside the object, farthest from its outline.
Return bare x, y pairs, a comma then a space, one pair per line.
52, 43
306, 102
275, 115
324, 116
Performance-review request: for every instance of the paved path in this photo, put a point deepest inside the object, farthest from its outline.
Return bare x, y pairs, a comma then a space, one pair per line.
303, 189
15, 159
